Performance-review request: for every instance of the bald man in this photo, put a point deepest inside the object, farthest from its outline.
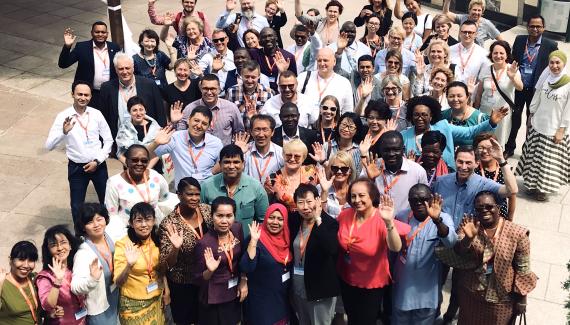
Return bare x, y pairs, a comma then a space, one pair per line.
347, 49
326, 82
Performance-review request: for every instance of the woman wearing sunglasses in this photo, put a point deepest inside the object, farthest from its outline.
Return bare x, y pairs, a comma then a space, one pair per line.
335, 186
394, 64
135, 184
347, 138
328, 118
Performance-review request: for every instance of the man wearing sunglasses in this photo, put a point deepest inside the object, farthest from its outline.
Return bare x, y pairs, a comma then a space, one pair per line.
469, 57
300, 34
287, 84
221, 61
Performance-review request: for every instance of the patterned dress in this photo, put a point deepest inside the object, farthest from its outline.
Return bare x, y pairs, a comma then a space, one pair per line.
284, 191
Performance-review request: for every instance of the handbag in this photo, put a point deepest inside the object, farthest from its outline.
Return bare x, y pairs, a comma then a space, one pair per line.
502, 93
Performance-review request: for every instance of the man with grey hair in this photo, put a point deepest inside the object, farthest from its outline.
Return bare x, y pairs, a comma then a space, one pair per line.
246, 19
116, 93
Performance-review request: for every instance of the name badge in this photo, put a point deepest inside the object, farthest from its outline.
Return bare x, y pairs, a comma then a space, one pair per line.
299, 270
527, 69
271, 79
152, 287
157, 82
113, 287
285, 277
81, 313
106, 72
232, 282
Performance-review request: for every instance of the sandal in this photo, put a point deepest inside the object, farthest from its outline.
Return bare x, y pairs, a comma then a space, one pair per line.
540, 196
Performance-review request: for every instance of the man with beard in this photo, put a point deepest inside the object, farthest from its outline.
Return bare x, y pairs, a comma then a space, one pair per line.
262, 157
245, 20
94, 59
248, 193
188, 7
272, 59
241, 56
347, 49
288, 94
221, 61
364, 75
290, 130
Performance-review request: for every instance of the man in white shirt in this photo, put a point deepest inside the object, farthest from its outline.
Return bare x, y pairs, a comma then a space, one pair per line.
347, 49
81, 126
221, 61
469, 57
287, 84
326, 82
247, 19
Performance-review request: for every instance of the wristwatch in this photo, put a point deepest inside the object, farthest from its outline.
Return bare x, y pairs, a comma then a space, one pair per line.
97, 161
503, 164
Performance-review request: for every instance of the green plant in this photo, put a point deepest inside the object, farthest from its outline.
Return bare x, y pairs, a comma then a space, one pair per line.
566, 286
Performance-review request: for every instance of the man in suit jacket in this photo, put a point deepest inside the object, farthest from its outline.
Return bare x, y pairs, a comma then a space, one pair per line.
116, 92
531, 52
94, 58
290, 130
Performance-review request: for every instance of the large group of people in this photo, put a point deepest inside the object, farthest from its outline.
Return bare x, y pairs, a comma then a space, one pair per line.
339, 180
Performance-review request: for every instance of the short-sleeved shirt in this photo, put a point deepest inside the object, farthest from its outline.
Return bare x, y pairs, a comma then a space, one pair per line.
486, 30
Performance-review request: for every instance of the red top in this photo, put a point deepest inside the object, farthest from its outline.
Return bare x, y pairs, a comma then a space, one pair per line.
367, 263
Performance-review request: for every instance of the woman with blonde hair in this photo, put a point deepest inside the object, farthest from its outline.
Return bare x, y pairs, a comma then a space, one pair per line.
438, 56
441, 26
193, 44
334, 186
392, 89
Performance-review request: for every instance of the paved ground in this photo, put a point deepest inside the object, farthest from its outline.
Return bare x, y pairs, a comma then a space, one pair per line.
33, 184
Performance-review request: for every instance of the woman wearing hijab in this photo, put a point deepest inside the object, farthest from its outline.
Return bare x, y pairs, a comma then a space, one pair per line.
543, 163
267, 264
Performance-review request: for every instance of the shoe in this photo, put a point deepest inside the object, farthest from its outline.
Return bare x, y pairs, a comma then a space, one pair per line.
508, 154
540, 196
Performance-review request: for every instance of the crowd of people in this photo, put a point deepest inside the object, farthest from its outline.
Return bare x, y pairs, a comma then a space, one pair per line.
339, 180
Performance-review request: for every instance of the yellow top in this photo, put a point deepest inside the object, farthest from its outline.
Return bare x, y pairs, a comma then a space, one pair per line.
138, 280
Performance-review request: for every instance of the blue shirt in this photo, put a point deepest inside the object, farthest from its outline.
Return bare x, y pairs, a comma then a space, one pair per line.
407, 56
250, 197
451, 132
416, 283
184, 165
526, 67
458, 198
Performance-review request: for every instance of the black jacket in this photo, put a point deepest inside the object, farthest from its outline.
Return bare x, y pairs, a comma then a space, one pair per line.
321, 279
146, 89
308, 137
82, 53
546, 47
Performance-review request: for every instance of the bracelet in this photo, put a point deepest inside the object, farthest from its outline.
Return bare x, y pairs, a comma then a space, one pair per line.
504, 163
56, 285
390, 228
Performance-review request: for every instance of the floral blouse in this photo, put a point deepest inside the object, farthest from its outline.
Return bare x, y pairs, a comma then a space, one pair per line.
181, 45
284, 191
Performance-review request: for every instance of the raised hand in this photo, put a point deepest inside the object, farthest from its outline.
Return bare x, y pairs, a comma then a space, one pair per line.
366, 87
498, 114
280, 62
319, 153
470, 227
164, 135
131, 254
195, 68
391, 124
68, 124
411, 155
496, 151
420, 63
434, 206
68, 37
512, 70
176, 237
95, 270
371, 168
231, 5
365, 145
217, 63
342, 41
254, 231
365, 13
57, 269
471, 83
386, 208
176, 111
325, 183
169, 18
241, 140
311, 27
211, 263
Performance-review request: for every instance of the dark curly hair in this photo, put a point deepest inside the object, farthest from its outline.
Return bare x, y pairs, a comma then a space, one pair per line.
433, 105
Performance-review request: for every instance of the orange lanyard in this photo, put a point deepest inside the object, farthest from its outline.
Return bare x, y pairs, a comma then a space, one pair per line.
410, 239
321, 92
260, 172
465, 62
375, 139
149, 265
228, 251
83, 126
146, 200
103, 58
195, 158
303, 242
33, 307
388, 187
200, 232
269, 65
498, 78
496, 172
107, 256
128, 93
351, 240
528, 57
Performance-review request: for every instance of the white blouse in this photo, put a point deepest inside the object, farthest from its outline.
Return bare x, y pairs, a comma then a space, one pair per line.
551, 109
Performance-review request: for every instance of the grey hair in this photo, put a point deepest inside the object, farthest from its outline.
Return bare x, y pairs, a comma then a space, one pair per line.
391, 79
123, 56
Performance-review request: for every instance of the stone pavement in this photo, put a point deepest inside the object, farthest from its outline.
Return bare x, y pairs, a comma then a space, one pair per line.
33, 183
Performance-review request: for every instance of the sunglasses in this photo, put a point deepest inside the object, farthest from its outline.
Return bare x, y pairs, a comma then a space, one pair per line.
289, 156
343, 170
291, 86
216, 40
415, 200
328, 108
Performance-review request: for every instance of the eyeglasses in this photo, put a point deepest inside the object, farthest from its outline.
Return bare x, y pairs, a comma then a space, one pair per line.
139, 160
374, 24
535, 27
58, 244
289, 156
420, 115
418, 199
343, 170
209, 90
466, 32
484, 148
349, 127
143, 220
393, 62
485, 207
220, 40
291, 86
328, 108
391, 89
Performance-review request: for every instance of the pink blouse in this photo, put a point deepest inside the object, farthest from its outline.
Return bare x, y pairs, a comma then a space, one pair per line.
71, 303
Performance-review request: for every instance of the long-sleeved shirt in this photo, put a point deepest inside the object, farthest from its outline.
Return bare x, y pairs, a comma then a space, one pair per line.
350, 55
551, 109
258, 22
82, 142
159, 20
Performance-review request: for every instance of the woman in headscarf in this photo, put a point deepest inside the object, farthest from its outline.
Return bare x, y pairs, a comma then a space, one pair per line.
267, 263
543, 164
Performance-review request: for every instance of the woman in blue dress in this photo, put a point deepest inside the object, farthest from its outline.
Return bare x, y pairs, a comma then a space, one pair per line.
267, 264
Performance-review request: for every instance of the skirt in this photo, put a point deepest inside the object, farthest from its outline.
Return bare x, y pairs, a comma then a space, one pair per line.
141, 312
474, 310
184, 302
544, 164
